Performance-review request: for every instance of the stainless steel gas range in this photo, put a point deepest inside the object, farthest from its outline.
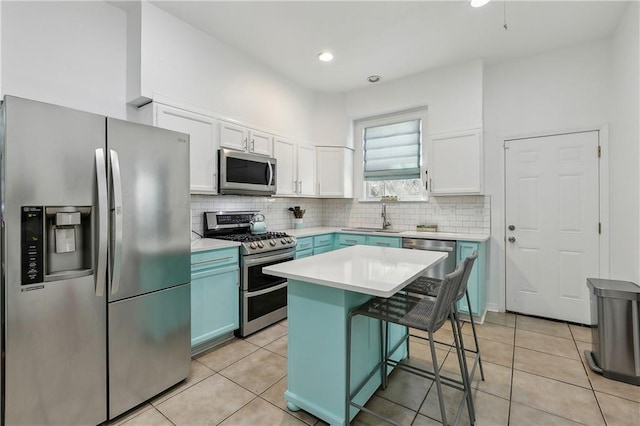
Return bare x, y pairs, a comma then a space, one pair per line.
263, 298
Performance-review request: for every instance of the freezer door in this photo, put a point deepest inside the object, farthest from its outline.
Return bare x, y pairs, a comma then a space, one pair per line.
150, 208
55, 330
149, 346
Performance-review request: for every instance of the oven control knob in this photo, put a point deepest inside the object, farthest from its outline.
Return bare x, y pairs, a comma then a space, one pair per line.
260, 244
283, 241
289, 240
253, 245
272, 243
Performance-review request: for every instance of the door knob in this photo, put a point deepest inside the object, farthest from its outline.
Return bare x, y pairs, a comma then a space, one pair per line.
512, 228
512, 239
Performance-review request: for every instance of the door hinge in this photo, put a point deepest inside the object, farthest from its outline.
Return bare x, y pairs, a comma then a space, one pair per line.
599, 227
599, 151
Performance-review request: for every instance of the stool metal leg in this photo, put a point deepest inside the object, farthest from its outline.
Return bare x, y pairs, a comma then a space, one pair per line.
462, 361
434, 359
475, 336
384, 346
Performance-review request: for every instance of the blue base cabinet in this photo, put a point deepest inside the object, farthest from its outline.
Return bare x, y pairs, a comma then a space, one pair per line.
476, 285
317, 350
215, 294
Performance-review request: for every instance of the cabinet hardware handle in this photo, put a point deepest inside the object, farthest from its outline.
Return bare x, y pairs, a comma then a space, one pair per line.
300, 188
213, 260
351, 241
253, 145
383, 244
246, 144
426, 179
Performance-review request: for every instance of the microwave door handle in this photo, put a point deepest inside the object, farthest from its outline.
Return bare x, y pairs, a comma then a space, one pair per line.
117, 222
270, 173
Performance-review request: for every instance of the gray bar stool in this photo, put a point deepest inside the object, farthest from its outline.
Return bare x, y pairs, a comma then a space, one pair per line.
427, 286
420, 313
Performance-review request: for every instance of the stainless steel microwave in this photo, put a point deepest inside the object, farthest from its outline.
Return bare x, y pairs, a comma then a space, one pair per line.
246, 174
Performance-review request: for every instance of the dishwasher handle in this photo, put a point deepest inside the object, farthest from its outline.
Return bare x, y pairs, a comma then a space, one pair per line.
429, 245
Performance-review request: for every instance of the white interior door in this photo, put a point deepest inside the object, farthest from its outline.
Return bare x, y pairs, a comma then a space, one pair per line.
552, 224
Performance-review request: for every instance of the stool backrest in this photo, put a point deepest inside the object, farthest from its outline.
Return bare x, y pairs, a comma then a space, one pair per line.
446, 297
468, 265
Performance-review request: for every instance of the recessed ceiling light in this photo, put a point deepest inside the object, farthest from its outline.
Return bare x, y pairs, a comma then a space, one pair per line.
374, 78
478, 3
325, 56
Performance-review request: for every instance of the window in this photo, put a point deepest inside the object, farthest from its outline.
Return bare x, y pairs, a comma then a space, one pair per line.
389, 157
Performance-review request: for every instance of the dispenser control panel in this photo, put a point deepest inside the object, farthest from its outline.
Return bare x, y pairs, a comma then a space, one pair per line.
32, 244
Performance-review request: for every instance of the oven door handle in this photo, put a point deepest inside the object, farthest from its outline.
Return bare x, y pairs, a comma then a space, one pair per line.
252, 262
266, 290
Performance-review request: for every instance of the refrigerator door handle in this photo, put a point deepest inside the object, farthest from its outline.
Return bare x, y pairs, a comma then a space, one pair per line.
117, 221
103, 219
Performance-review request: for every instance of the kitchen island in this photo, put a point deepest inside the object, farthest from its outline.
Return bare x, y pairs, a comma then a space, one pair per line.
322, 290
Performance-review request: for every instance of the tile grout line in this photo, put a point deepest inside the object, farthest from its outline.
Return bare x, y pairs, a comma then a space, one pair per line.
513, 361
584, 367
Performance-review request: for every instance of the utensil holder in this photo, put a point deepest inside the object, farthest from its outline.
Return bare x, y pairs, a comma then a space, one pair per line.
298, 223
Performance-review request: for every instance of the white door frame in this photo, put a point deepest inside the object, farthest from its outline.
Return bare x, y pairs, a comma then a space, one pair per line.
603, 180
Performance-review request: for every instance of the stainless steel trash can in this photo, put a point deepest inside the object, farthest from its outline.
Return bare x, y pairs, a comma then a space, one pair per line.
615, 329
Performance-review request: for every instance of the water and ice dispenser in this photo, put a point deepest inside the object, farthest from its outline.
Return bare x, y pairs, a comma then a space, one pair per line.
56, 243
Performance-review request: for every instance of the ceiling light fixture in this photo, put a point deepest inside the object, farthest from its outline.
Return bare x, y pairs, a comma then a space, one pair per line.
325, 56
374, 78
478, 3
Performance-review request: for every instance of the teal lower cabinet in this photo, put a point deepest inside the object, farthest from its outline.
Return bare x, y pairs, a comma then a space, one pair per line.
346, 240
317, 350
477, 280
322, 243
373, 240
304, 247
214, 294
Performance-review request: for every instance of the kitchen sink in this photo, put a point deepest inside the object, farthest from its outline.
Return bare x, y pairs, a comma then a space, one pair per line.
364, 229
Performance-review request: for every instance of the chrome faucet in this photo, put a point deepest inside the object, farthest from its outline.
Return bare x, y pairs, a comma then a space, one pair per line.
385, 221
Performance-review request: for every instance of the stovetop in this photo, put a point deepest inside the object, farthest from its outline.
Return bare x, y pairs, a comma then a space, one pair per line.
261, 243
235, 226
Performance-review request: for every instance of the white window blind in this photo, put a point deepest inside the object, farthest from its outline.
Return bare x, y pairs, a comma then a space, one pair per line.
392, 151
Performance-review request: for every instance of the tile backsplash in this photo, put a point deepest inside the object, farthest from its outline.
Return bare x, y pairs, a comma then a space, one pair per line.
461, 214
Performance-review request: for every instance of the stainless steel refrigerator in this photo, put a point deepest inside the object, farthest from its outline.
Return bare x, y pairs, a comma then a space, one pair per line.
95, 263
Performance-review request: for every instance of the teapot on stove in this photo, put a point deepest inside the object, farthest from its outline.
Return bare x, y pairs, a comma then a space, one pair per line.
257, 224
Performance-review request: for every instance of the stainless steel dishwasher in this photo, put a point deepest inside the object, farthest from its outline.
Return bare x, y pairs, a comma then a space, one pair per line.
441, 269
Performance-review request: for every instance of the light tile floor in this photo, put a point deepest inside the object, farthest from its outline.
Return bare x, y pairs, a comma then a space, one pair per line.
535, 375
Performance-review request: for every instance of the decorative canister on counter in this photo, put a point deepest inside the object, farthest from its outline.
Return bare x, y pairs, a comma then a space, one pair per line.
298, 214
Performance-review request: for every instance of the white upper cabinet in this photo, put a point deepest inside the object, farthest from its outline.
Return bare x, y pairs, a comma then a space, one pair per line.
284, 151
334, 172
306, 170
203, 143
295, 172
235, 136
455, 163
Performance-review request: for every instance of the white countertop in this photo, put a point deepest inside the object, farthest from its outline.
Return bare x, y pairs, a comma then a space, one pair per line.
318, 230
211, 244
378, 271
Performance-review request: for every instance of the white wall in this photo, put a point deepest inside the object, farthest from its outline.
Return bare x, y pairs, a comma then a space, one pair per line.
556, 91
452, 94
68, 53
625, 138
183, 63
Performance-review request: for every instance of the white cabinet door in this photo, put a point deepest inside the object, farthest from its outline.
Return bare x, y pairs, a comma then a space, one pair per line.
260, 143
284, 151
334, 172
203, 144
234, 136
306, 171
455, 163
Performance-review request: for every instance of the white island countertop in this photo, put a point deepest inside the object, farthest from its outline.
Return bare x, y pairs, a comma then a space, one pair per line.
378, 271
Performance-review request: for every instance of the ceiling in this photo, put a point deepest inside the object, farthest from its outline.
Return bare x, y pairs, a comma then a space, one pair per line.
392, 39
